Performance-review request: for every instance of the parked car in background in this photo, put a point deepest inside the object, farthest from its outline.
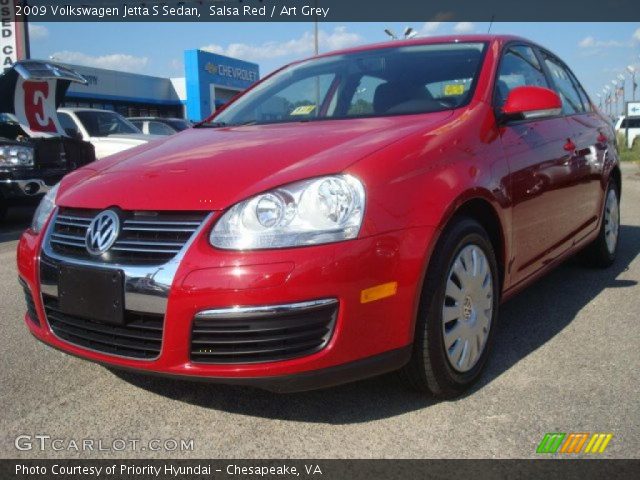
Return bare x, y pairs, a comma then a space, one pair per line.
160, 125
633, 124
108, 131
34, 157
360, 212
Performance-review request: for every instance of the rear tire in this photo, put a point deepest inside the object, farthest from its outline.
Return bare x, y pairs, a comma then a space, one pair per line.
602, 252
457, 314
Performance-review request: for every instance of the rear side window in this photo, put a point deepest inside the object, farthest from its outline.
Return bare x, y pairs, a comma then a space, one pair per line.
564, 86
583, 95
157, 128
519, 67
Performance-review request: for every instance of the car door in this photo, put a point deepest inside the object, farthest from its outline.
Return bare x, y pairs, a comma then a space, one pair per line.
539, 154
589, 135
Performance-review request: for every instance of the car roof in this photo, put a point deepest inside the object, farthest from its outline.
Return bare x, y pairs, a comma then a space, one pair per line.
84, 109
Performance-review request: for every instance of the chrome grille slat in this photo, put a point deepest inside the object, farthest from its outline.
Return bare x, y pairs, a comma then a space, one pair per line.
159, 229
66, 236
144, 250
136, 243
72, 223
75, 219
151, 222
142, 241
68, 243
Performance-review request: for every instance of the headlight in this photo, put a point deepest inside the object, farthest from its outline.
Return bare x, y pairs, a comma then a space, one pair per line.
16, 156
311, 212
47, 204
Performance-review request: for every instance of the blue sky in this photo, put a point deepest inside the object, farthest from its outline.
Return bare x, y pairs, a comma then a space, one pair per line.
597, 52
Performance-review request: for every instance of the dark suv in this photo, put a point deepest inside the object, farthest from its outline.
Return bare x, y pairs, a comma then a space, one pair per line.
35, 156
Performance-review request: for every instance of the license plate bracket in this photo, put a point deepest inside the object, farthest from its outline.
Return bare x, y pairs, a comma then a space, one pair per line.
92, 294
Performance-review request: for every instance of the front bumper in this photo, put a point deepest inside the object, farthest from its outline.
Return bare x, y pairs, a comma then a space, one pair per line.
367, 338
21, 186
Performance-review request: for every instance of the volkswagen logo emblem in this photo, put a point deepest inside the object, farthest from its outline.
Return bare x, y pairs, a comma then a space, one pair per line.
102, 232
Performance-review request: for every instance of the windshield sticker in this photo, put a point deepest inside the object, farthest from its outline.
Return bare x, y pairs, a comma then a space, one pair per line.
303, 110
453, 89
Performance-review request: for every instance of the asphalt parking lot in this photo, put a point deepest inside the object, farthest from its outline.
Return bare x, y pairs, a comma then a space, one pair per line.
566, 359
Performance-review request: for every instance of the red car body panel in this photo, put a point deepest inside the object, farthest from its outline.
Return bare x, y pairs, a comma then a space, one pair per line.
547, 202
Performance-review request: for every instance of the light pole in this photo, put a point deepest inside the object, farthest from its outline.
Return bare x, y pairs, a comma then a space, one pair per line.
631, 69
391, 34
615, 97
622, 83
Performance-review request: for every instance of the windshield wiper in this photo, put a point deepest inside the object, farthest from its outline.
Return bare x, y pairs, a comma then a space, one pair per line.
225, 124
211, 125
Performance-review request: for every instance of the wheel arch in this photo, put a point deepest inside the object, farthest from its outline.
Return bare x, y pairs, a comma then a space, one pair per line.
482, 211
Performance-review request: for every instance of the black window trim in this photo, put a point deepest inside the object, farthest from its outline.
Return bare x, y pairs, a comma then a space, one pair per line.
546, 54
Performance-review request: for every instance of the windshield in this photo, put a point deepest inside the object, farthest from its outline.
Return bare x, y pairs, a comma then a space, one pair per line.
103, 124
390, 81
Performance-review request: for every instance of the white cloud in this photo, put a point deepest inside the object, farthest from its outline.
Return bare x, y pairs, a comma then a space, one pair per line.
430, 28
339, 38
113, 61
636, 35
592, 42
176, 64
37, 32
463, 27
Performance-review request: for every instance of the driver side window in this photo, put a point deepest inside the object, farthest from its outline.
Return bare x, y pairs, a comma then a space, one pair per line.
519, 67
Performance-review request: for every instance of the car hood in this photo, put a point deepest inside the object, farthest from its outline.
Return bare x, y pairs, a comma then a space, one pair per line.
213, 168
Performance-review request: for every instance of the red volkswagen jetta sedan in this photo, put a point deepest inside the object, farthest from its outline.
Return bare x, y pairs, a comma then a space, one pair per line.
351, 214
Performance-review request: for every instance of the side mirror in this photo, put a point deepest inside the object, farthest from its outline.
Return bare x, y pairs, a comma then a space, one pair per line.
531, 102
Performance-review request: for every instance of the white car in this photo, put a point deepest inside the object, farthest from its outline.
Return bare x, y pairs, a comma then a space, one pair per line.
633, 124
108, 131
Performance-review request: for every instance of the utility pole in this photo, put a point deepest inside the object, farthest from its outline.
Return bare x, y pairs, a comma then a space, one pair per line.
315, 33
631, 69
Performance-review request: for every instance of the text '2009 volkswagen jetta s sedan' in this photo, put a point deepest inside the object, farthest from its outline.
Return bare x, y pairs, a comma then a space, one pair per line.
355, 213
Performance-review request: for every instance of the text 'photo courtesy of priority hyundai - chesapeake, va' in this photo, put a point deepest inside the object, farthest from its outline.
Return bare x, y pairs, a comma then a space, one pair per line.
316, 241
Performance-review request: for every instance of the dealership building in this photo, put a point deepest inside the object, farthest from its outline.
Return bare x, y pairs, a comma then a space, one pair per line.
210, 80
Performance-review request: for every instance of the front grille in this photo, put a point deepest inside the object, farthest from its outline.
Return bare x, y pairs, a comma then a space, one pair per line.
257, 337
31, 305
145, 237
140, 337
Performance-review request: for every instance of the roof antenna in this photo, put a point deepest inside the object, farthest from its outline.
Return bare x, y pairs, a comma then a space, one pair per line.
491, 23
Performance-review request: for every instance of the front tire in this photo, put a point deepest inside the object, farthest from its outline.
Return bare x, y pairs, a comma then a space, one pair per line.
458, 312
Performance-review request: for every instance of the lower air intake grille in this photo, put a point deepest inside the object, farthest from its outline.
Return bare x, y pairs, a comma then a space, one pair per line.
140, 337
31, 305
262, 334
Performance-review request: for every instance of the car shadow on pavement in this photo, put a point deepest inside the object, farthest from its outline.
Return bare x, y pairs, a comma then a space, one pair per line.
527, 322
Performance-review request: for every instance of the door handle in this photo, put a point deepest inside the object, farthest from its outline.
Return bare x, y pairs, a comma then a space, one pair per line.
569, 146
